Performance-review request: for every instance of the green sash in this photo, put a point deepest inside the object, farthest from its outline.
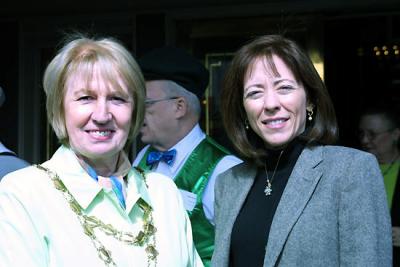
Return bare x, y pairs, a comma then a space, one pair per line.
193, 177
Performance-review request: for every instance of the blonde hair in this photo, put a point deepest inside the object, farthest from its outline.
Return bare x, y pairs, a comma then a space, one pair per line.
81, 56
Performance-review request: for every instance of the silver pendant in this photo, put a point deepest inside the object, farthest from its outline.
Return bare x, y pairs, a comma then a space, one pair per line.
268, 189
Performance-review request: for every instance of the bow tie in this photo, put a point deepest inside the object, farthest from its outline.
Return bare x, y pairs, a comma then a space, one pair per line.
156, 156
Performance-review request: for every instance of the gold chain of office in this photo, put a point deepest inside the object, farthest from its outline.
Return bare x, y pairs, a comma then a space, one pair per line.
146, 236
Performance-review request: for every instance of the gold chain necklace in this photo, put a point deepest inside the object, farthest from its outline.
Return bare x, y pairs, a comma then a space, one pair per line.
268, 187
89, 223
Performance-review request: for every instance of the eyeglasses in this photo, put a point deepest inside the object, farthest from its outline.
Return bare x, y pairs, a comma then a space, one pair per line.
371, 135
149, 102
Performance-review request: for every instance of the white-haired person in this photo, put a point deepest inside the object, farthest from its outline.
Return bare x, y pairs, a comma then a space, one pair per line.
176, 145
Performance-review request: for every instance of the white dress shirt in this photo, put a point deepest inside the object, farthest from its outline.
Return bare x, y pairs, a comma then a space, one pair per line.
39, 229
183, 150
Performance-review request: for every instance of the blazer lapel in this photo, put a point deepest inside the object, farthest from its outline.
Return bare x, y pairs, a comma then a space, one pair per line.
298, 191
232, 201
243, 180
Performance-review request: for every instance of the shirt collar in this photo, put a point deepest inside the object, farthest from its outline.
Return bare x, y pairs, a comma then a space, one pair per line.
185, 146
78, 182
123, 165
84, 189
137, 188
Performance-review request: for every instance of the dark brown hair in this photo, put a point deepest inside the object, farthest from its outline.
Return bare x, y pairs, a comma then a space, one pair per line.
323, 128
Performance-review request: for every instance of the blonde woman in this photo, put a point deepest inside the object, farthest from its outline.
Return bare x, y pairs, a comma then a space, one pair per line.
86, 206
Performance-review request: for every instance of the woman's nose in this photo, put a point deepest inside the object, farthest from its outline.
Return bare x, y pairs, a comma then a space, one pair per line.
271, 101
101, 112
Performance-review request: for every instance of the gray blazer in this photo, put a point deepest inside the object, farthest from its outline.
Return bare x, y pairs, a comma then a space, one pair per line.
333, 212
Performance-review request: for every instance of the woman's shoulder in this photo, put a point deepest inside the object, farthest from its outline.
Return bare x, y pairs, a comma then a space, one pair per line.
24, 182
242, 171
161, 190
160, 180
243, 167
344, 153
157, 181
24, 175
342, 161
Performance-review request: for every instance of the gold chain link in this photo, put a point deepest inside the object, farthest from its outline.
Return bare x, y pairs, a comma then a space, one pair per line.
89, 223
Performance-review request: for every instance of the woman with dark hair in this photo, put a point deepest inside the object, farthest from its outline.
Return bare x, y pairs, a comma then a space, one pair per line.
379, 134
296, 200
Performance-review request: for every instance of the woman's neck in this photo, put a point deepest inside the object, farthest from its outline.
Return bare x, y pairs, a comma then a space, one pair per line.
287, 151
103, 167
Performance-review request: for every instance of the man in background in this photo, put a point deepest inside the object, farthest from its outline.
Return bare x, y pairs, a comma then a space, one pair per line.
8, 159
177, 146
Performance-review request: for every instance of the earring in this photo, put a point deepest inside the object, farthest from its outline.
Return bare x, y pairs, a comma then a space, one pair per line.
310, 112
246, 124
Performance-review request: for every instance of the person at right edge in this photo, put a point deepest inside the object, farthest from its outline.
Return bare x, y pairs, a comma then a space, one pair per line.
379, 134
297, 200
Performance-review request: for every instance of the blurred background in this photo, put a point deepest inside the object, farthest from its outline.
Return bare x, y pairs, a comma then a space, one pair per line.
354, 45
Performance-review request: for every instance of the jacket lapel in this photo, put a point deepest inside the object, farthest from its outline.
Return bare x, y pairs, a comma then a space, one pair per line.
232, 200
244, 180
298, 191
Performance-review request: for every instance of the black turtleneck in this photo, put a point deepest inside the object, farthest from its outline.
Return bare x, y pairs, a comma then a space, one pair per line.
251, 229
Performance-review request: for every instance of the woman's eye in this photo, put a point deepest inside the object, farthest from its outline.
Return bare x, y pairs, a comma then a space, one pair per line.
285, 88
84, 98
253, 94
118, 99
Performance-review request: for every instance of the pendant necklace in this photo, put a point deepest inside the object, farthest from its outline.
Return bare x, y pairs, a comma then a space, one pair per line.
268, 187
